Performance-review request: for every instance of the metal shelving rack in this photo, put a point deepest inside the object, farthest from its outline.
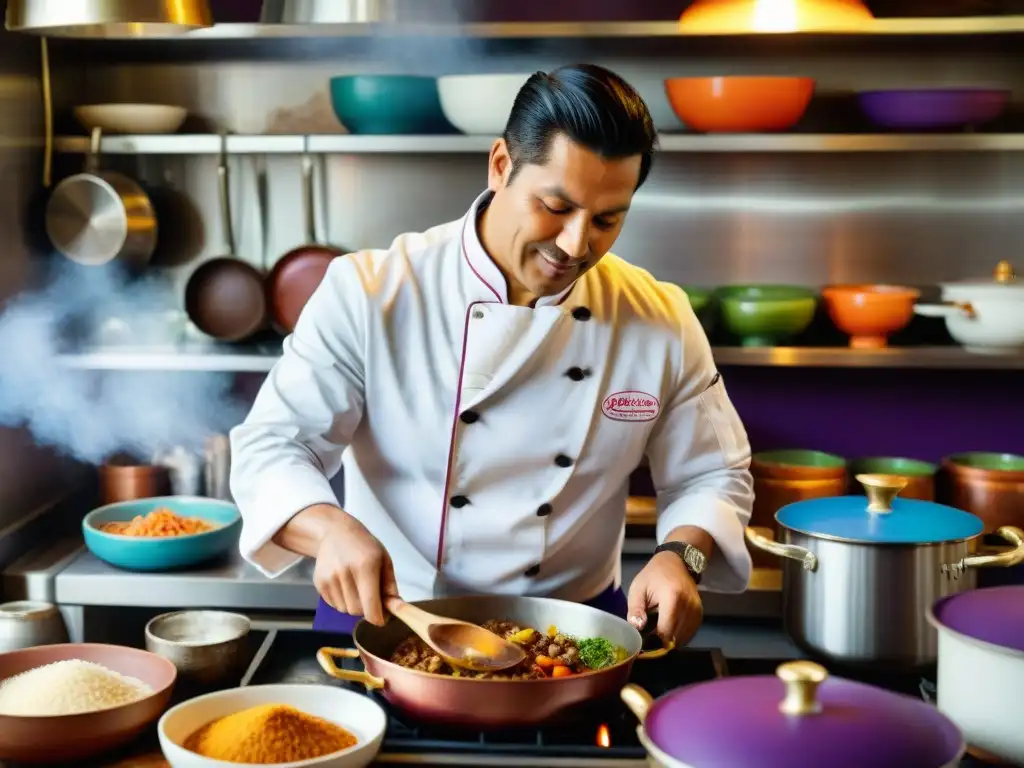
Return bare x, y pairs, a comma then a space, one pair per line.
209, 144
218, 357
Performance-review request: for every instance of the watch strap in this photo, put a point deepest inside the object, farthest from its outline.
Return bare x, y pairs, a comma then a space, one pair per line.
679, 549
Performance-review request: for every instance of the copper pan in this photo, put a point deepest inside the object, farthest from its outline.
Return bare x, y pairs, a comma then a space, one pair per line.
490, 704
298, 273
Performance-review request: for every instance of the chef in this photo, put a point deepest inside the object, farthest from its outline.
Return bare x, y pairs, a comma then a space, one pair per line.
490, 384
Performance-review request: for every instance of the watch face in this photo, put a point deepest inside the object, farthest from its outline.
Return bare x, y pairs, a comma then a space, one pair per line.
695, 559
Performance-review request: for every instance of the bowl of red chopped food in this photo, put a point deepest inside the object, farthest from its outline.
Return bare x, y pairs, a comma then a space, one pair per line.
162, 533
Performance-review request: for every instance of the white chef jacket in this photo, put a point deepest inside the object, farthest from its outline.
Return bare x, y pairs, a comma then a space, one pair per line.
489, 446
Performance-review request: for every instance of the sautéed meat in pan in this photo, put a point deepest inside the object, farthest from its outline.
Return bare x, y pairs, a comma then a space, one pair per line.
548, 654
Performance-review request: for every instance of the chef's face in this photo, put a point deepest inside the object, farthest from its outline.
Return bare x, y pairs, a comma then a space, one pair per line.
553, 222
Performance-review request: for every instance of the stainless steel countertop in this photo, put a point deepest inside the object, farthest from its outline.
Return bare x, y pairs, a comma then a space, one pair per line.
66, 573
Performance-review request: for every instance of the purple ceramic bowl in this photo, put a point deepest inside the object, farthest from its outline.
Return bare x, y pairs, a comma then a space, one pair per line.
932, 109
737, 722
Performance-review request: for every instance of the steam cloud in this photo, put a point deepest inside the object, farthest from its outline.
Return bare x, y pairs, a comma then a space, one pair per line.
91, 415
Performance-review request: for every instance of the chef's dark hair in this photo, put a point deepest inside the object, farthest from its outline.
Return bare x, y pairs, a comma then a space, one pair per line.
591, 105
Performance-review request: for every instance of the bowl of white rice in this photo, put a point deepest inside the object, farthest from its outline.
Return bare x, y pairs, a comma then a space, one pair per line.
69, 702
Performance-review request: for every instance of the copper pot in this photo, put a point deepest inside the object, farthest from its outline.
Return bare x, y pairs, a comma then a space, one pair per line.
787, 476
123, 481
489, 704
920, 475
989, 485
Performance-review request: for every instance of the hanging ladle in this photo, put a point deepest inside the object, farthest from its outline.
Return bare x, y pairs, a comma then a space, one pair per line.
459, 643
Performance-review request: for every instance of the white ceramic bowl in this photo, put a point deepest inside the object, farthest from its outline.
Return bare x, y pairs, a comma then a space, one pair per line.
131, 118
479, 104
355, 712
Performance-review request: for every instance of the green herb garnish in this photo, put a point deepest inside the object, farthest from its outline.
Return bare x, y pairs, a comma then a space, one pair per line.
597, 653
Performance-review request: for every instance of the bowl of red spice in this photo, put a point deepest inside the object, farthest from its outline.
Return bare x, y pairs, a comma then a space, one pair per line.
290, 726
162, 533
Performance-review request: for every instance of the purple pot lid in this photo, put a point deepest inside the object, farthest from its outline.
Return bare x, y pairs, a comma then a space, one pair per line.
993, 615
739, 722
879, 518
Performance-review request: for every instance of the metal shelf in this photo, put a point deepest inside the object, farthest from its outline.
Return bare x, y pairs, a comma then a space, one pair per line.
953, 26
209, 144
209, 357
844, 357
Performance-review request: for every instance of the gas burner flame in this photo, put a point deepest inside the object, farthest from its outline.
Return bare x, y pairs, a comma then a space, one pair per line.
604, 736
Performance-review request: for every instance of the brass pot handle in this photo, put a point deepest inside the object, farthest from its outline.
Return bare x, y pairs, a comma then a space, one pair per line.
1007, 559
326, 657
790, 551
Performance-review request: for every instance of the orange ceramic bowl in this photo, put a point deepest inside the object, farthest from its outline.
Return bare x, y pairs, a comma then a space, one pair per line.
739, 104
870, 313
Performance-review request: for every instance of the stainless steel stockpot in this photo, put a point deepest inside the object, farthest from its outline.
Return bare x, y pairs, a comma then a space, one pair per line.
859, 575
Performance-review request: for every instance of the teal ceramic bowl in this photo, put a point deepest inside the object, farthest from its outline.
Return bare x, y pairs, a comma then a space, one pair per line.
764, 315
388, 104
162, 554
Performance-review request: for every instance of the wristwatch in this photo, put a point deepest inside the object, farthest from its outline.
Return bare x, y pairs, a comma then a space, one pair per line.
692, 558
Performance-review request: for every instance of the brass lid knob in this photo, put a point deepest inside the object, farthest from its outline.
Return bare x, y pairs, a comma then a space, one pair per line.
882, 490
802, 679
1004, 273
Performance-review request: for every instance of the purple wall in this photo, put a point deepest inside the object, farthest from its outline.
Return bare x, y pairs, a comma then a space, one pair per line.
859, 412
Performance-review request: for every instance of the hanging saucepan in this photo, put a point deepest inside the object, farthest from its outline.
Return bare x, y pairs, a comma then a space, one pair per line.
981, 669
298, 273
225, 295
797, 718
895, 556
97, 217
494, 702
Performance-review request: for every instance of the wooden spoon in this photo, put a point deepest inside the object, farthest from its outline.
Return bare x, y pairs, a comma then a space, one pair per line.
459, 643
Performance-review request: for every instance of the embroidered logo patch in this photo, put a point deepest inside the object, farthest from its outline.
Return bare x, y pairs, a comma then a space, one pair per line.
631, 405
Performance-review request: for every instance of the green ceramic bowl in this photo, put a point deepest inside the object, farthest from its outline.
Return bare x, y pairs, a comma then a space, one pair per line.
990, 462
892, 465
388, 104
764, 315
702, 301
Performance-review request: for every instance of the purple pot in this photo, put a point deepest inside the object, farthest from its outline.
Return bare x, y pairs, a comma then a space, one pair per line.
994, 615
933, 109
798, 719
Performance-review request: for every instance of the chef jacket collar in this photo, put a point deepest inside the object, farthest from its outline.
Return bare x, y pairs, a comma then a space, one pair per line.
495, 287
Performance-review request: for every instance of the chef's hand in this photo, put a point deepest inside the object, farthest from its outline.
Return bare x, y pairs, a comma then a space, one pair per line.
353, 571
666, 586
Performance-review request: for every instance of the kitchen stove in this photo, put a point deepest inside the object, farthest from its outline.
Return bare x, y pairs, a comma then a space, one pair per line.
602, 736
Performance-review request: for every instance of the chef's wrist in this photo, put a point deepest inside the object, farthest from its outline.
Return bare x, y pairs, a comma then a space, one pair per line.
310, 527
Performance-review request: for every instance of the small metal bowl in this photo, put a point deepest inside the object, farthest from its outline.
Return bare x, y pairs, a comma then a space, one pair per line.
205, 646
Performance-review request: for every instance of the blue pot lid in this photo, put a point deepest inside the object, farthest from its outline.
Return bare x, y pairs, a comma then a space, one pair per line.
878, 518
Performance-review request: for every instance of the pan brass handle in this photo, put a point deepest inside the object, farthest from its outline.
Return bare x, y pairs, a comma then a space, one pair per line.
657, 653
326, 657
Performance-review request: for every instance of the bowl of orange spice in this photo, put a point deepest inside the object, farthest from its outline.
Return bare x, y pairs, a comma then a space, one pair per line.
161, 533
289, 726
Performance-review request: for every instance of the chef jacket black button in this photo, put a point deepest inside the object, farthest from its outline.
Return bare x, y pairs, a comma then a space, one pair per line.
581, 313
563, 461
469, 417
459, 501
577, 374
532, 571
478, 314
544, 510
